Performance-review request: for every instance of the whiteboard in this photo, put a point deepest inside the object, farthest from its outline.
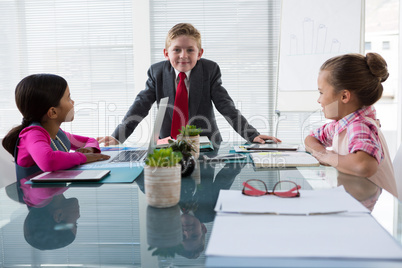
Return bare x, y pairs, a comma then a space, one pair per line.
313, 31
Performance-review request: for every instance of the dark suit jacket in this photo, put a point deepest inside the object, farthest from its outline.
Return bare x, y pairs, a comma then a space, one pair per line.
205, 89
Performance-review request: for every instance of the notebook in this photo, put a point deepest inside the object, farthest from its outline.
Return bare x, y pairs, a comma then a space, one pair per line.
205, 144
135, 156
71, 175
283, 159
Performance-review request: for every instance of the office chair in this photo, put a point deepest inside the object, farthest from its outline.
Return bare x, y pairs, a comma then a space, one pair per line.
7, 167
397, 163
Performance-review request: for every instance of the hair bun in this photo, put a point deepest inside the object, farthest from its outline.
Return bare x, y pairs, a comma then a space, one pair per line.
378, 66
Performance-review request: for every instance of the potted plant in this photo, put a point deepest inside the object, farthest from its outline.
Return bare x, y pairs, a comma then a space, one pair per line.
192, 134
187, 162
162, 178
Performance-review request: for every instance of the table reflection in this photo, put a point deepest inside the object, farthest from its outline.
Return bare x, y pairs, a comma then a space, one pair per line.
51, 222
197, 203
164, 231
360, 188
118, 228
199, 193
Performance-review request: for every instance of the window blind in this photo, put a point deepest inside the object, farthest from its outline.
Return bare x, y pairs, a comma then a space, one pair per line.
242, 37
89, 43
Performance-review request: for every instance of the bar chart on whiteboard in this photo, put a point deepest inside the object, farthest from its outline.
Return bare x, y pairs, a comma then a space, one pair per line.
313, 31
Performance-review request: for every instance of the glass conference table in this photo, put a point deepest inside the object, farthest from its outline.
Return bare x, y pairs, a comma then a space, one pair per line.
111, 225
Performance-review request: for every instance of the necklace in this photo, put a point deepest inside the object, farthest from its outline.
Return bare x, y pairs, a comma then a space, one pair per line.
62, 144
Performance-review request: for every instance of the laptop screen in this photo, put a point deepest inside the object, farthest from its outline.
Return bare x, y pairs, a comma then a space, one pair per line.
158, 124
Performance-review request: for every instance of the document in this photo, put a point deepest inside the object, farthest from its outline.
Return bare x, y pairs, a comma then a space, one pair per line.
283, 159
288, 241
310, 202
204, 140
205, 143
265, 147
163, 143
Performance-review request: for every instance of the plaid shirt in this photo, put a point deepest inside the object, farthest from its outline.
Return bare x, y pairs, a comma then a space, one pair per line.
361, 133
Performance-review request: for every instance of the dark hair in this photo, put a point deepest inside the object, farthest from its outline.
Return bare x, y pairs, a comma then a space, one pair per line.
41, 230
193, 253
34, 95
360, 74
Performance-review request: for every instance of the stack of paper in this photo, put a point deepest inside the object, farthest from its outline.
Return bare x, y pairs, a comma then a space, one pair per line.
283, 159
336, 240
265, 147
205, 144
243, 236
327, 201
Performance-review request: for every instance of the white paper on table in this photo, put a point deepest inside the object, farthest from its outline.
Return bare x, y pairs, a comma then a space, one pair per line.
204, 140
325, 236
310, 202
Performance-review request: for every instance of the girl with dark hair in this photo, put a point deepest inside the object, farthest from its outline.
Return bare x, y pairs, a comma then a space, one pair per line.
54, 225
349, 85
38, 143
52, 219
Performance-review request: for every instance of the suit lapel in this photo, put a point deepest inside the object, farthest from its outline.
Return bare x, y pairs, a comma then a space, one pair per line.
196, 89
169, 86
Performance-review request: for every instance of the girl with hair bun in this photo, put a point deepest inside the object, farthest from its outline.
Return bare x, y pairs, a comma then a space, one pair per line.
38, 143
349, 85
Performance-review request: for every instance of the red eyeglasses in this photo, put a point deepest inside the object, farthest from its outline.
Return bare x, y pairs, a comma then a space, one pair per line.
256, 187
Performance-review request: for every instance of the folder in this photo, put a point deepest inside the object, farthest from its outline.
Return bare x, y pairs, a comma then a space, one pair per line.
283, 159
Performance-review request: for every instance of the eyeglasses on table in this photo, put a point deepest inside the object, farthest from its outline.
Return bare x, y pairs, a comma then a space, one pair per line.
286, 189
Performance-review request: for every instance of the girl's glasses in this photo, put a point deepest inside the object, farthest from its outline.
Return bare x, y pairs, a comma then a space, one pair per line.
255, 187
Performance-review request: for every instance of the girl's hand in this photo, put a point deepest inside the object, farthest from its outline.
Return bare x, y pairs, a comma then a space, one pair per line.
262, 138
85, 150
108, 140
325, 157
93, 157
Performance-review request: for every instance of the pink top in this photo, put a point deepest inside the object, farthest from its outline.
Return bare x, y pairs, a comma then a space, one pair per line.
34, 148
39, 197
361, 133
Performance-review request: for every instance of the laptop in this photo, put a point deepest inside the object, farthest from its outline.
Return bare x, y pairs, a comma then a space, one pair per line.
71, 175
135, 156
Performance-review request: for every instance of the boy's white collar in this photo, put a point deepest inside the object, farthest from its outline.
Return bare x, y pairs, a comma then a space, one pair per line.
187, 73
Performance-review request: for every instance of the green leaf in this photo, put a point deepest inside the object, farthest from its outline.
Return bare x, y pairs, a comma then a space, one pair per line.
190, 130
165, 157
183, 146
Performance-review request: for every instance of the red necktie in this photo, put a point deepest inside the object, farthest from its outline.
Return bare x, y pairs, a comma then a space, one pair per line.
180, 111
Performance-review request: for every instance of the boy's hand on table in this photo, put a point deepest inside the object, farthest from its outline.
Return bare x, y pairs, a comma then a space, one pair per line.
262, 138
107, 140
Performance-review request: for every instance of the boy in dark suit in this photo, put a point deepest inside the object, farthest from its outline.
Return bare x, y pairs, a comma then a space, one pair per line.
201, 89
